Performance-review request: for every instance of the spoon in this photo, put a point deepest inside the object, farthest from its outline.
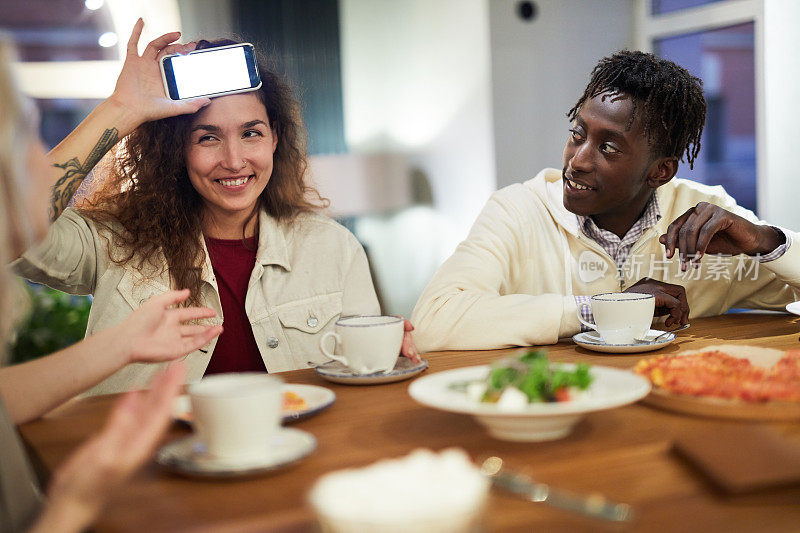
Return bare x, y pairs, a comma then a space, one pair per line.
663, 334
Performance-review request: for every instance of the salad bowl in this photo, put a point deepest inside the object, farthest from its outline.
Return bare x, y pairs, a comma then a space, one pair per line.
533, 422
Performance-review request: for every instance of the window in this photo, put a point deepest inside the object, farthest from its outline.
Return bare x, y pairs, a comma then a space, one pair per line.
660, 7
724, 59
719, 42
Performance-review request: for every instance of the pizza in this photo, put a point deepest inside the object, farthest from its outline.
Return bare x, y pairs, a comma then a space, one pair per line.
719, 374
293, 402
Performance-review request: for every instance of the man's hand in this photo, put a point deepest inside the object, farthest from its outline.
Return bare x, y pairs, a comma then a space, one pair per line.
670, 300
708, 228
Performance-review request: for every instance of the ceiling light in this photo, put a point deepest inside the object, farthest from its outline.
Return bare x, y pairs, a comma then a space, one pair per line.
108, 39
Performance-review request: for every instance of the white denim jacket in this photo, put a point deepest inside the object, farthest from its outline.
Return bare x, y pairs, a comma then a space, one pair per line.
307, 273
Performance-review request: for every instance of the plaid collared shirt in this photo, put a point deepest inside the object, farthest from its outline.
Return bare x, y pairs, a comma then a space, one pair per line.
620, 249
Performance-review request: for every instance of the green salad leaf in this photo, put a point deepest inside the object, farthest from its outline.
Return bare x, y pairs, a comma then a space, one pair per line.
532, 374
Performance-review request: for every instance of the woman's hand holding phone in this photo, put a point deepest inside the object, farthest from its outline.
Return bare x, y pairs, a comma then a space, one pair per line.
138, 97
140, 89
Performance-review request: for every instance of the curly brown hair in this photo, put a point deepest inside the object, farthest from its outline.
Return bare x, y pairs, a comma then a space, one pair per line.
151, 209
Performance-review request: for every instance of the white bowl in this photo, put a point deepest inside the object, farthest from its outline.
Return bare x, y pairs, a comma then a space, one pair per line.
465, 522
424, 491
538, 421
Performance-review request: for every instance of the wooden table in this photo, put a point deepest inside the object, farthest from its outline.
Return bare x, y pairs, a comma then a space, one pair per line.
623, 453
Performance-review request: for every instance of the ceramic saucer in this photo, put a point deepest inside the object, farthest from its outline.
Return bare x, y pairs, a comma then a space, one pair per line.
188, 456
338, 373
794, 308
591, 340
317, 399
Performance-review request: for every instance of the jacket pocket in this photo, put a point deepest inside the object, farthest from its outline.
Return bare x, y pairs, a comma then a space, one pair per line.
136, 289
312, 315
303, 324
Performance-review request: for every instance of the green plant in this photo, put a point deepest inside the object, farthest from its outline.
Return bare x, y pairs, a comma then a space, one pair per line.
55, 321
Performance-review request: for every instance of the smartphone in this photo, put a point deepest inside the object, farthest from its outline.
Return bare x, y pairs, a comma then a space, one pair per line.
211, 72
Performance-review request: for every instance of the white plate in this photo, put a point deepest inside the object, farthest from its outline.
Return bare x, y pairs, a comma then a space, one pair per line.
189, 456
591, 340
610, 388
338, 373
317, 399
794, 308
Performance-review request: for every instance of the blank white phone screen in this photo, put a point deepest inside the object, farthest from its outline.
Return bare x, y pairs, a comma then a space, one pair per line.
210, 72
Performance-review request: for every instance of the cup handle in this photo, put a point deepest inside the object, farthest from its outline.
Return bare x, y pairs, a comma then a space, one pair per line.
584, 322
337, 340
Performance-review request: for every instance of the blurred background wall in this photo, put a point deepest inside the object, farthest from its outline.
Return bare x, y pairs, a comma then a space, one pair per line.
419, 109
540, 67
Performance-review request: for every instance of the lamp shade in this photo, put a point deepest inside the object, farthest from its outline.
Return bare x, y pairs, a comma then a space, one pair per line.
361, 184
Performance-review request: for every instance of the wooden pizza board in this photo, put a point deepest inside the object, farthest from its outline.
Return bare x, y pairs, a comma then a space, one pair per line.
725, 408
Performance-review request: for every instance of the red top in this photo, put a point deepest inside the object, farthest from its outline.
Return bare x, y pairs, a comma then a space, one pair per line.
236, 349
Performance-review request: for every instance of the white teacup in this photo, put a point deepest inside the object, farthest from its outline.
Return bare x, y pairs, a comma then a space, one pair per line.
621, 317
235, 414
368, 344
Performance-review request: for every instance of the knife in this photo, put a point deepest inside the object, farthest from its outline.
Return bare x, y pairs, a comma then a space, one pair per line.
594, 505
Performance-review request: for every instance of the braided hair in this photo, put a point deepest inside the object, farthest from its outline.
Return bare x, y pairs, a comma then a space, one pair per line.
672, 100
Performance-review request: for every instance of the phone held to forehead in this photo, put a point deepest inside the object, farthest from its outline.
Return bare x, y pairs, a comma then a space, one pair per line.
211, 72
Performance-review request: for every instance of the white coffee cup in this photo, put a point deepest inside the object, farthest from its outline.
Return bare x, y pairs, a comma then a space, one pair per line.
235, 414
368, 344
621, 317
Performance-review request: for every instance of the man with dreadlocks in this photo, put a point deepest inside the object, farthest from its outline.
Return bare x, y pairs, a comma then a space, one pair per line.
613, 219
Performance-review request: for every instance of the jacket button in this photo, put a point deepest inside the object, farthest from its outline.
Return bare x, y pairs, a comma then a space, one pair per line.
312, 321
272, 342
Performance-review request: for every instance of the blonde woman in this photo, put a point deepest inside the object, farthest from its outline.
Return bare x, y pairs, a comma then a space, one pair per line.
154, 333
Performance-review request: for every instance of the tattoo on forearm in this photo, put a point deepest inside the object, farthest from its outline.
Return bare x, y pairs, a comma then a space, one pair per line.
67, 184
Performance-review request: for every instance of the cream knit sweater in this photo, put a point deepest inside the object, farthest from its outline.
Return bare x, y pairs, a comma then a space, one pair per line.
512, 282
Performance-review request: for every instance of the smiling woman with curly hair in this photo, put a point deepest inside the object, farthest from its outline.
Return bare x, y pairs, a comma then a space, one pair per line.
151, 207
209, 195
